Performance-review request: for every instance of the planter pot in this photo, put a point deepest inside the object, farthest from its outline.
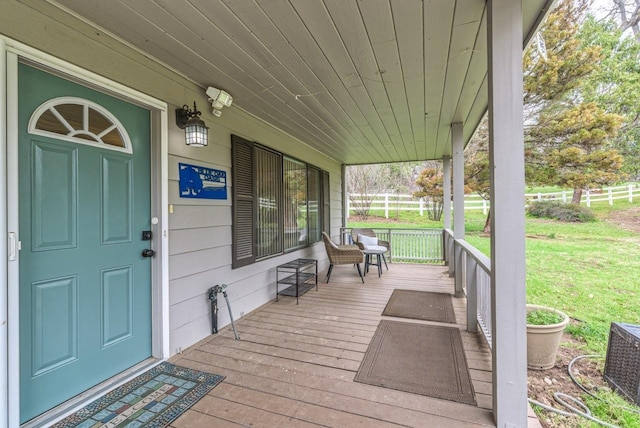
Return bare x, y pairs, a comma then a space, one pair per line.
543, 340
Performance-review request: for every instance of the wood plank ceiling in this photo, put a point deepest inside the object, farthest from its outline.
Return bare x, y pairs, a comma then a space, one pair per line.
363, 81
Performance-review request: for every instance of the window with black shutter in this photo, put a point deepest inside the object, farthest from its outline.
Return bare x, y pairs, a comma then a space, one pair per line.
279, 203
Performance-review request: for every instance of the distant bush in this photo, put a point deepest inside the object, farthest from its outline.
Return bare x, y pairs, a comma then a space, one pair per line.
560, 211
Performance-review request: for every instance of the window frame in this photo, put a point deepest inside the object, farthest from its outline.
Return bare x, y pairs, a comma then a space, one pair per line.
244, 167
72, 132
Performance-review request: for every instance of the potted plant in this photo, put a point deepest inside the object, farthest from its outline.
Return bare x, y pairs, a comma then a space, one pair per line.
544, 331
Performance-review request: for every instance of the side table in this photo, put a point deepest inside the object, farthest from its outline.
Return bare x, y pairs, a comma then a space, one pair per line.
368, 254
299, 275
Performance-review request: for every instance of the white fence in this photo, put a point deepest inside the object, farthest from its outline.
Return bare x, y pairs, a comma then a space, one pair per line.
391, 202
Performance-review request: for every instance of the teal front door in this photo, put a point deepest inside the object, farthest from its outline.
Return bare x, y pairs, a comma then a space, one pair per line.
84, 201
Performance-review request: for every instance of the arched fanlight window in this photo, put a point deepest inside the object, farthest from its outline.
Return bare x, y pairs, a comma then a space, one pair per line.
80, 121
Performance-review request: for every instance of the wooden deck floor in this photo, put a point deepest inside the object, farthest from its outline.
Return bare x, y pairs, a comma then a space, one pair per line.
294, 365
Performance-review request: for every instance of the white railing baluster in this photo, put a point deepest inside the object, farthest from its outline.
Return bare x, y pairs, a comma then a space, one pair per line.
472, 295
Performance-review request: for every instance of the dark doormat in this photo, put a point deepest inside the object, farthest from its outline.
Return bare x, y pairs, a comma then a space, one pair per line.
153, 399
418, 358
420, 305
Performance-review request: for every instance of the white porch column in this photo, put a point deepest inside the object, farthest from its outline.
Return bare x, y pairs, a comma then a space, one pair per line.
446, 191
506, 152
457, 146
446, 211
345, 196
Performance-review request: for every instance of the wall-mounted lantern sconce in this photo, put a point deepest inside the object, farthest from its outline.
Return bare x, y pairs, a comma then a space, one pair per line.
196, 132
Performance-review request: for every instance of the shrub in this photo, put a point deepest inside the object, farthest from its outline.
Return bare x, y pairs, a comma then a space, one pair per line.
560, 211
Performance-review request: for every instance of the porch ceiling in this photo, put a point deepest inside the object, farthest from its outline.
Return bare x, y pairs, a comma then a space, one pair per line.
362, 81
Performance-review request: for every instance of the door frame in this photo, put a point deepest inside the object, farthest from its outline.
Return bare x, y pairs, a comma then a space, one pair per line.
10, 53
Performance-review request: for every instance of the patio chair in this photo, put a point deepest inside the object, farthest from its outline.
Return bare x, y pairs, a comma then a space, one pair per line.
342, 255
370, 233
360, 238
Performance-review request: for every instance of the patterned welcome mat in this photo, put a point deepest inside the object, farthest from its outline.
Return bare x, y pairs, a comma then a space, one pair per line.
420, 305
418, 358
153, 399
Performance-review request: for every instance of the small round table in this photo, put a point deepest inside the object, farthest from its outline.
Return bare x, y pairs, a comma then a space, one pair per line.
374, 250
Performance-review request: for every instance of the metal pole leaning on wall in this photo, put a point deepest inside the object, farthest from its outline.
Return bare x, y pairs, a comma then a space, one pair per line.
213, 299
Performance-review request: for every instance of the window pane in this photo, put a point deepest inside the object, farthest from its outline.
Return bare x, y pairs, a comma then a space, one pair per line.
73, 113
267, 180
295, 203
98, 123
49, 122
314, 203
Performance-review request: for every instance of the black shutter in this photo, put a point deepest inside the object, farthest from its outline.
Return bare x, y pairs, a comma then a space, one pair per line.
326, 204
243, 202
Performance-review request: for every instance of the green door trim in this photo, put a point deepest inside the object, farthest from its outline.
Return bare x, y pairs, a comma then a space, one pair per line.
14, 52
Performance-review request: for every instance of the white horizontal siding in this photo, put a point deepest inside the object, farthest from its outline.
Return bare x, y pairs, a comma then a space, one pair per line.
193, 216
202, 238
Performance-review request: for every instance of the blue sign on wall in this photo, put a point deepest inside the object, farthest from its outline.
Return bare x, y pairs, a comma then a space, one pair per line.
201, 182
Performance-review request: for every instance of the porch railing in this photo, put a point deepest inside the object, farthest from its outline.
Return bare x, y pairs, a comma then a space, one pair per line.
471, 268
473, 271
407, 245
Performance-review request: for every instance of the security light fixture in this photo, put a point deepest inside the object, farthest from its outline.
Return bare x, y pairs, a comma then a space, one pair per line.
218, 99
196, 132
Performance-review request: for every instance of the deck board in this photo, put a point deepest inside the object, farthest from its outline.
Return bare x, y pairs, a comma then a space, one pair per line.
295, 364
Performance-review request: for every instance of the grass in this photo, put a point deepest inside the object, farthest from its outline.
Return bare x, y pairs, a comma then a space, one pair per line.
589, 271
407, 219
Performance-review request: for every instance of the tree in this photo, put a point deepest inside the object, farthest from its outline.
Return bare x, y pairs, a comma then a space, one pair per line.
568, 140
430, 188
615, 84
572, 148
363, 180
551, 80
476, 167
400, 179
626, 13
368, 181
